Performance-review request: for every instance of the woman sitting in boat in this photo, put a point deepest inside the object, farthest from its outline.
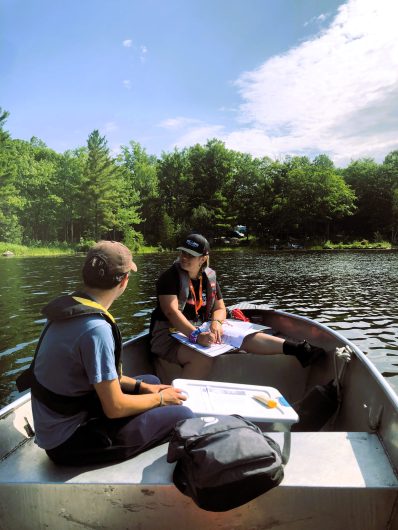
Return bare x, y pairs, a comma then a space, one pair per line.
188, 295
84, 410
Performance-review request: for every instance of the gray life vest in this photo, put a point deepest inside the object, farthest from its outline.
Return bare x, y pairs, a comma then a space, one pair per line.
211, 289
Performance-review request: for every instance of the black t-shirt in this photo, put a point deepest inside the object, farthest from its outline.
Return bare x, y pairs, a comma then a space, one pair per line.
169, 283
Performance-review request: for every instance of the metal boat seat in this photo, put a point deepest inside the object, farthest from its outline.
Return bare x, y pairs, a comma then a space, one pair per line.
344, 476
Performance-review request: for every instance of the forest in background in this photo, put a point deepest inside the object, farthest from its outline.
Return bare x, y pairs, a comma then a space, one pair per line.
86, 194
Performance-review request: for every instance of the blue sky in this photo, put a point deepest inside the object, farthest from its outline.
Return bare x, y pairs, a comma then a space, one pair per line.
268, 77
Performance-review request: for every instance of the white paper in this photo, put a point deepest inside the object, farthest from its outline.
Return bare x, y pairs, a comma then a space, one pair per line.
234, 331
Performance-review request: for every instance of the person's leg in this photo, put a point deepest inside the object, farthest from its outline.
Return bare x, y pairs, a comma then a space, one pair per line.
102, 440
89, 444
195, 365
263, 344
148, 429
150, 379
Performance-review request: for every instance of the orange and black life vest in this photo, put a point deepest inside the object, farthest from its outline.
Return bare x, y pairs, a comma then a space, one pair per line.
186, 288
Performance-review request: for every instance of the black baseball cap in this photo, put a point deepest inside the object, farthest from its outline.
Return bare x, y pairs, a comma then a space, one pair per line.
196, 245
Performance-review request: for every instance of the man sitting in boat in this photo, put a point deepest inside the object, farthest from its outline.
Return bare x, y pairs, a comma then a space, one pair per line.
84, 410
188, 295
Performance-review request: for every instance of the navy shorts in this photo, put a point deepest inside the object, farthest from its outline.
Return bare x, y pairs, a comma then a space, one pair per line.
105, 440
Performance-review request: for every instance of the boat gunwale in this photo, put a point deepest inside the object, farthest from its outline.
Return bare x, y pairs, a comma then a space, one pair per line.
359, 353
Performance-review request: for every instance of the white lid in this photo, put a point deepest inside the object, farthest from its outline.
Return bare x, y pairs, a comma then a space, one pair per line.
249, 401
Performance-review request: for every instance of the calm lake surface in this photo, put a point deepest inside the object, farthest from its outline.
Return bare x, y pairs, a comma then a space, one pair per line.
352, 292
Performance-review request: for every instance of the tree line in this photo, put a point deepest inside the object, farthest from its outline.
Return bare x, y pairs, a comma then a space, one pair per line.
88, 194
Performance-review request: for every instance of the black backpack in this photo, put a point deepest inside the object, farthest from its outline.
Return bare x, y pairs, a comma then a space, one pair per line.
224, 461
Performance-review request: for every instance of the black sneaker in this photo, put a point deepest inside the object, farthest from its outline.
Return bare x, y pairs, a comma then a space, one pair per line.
308, 354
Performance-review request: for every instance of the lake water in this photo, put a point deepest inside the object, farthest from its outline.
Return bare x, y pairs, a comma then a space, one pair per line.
352, 292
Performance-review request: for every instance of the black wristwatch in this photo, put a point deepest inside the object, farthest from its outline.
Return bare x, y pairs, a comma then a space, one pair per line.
137, 386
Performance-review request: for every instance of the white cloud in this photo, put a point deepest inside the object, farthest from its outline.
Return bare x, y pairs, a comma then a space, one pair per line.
143, 53
178, 123
336, 93
227, 109
127, 43
330, 94
191, 131
199, 135
110, 126
115, 150
319, 19
127, 84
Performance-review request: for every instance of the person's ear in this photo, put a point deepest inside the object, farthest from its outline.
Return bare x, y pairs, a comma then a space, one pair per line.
124, 281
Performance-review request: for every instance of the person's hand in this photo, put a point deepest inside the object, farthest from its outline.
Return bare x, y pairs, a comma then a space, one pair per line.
216, 329
172, 396
206, 338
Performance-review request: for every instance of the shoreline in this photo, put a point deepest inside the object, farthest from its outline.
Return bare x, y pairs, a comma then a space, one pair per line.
52, 252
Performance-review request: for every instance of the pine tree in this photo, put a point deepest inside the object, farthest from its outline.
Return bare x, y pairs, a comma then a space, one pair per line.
102, 188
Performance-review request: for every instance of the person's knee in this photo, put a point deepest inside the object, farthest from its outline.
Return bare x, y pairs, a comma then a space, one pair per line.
184, 413
171, 414
149, 379
202, 364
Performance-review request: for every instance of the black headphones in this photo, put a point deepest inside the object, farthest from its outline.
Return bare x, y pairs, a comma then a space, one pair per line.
98, 273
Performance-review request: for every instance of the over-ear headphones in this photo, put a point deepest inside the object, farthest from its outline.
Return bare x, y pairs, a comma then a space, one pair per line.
96, 273
100, 266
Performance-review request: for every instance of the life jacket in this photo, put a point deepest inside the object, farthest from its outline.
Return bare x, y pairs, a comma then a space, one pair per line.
211, 289
64, 308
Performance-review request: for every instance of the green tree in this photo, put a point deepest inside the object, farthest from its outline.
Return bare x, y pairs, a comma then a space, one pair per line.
140, 170
389, 173
373, 188
249, 193
394, 223
212, 169
11, 202
103, 189
175, 185
3, 118
71, 190
168, 230
37, 185
310, 197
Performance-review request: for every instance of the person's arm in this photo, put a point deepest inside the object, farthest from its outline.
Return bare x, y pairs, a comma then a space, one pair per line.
128, 386
98, 357
169, 306
116, 404
218, 316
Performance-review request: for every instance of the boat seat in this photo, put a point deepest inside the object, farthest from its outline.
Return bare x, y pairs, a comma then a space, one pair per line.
346, 459
278, 371
331, 479
321, 459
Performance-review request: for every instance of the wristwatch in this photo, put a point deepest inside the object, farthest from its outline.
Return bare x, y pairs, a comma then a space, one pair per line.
137, 386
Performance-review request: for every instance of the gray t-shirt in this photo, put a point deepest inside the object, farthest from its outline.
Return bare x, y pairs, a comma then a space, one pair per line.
74, 355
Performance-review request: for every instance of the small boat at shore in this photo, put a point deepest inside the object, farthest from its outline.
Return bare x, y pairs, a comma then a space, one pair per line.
342, 470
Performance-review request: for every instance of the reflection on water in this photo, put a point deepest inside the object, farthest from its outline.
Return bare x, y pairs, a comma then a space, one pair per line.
353, 292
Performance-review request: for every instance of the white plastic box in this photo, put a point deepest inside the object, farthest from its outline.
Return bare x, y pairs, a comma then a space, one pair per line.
211, 398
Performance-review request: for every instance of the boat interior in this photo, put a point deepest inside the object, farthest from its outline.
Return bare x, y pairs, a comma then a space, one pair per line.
341, 473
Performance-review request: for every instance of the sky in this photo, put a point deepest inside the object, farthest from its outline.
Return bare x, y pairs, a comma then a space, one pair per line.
267, 77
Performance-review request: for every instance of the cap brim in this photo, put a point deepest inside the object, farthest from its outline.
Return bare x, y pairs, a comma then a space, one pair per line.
133, 267
190, 251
